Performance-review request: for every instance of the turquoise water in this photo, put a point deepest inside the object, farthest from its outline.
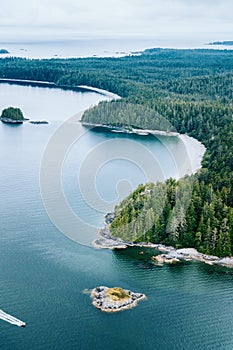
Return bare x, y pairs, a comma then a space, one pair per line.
43, 274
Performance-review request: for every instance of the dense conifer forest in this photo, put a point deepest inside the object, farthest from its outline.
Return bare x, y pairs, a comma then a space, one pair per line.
193, 91
12, 113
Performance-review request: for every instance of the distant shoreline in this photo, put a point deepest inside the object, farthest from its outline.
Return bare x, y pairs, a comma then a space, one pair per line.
25, 81
98, 48
226, 42
49, 84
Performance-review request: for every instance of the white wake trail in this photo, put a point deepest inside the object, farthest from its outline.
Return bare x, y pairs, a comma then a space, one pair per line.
11, 319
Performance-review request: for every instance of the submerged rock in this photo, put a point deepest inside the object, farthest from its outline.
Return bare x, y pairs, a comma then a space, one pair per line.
165, 259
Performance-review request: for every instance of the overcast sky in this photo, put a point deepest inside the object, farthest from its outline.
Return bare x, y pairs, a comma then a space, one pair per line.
108, 18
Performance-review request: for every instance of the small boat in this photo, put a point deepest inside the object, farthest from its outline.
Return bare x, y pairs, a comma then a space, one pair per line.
11, 319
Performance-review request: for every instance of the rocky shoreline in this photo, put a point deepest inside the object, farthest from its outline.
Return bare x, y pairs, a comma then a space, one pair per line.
21, 121
115, 299
169, 255
123, 130
12, 121
173, 256
107, 241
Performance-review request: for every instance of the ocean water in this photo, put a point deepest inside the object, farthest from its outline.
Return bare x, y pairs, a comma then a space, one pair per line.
84, 47
44, 275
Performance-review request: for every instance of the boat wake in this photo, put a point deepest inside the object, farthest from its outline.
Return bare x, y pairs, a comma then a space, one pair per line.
11, 319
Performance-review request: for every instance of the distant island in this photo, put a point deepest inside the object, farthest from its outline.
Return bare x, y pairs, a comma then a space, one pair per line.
229, 43
3, 51
115, 299
12, 115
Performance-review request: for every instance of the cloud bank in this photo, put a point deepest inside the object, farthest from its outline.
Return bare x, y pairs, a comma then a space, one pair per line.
108, 18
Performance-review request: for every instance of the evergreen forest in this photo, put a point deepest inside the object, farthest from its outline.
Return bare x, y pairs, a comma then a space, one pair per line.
190, 91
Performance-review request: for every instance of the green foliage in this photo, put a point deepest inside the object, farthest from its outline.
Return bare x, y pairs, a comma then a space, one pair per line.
183, 215
188, 89
12, 113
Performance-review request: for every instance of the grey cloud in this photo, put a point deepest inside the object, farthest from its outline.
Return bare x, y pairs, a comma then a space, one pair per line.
116, 16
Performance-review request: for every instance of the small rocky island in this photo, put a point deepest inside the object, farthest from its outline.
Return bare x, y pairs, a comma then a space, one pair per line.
38, 122
115, 299
12, 115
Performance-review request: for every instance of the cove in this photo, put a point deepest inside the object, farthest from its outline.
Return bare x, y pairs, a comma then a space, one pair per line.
43, 274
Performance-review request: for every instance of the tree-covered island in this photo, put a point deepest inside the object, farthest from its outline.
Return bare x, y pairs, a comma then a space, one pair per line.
12, 115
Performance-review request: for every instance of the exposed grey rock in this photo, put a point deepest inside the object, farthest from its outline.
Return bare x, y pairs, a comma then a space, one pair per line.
104, 302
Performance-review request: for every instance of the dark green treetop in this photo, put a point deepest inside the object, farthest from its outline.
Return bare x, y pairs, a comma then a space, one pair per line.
12, 113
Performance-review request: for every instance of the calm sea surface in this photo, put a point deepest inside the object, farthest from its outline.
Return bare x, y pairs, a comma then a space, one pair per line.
43, 273
101, 47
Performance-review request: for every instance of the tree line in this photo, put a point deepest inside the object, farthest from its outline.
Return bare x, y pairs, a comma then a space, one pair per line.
192, 90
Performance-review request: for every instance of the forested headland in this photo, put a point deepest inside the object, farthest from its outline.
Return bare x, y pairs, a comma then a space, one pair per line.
193, 90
